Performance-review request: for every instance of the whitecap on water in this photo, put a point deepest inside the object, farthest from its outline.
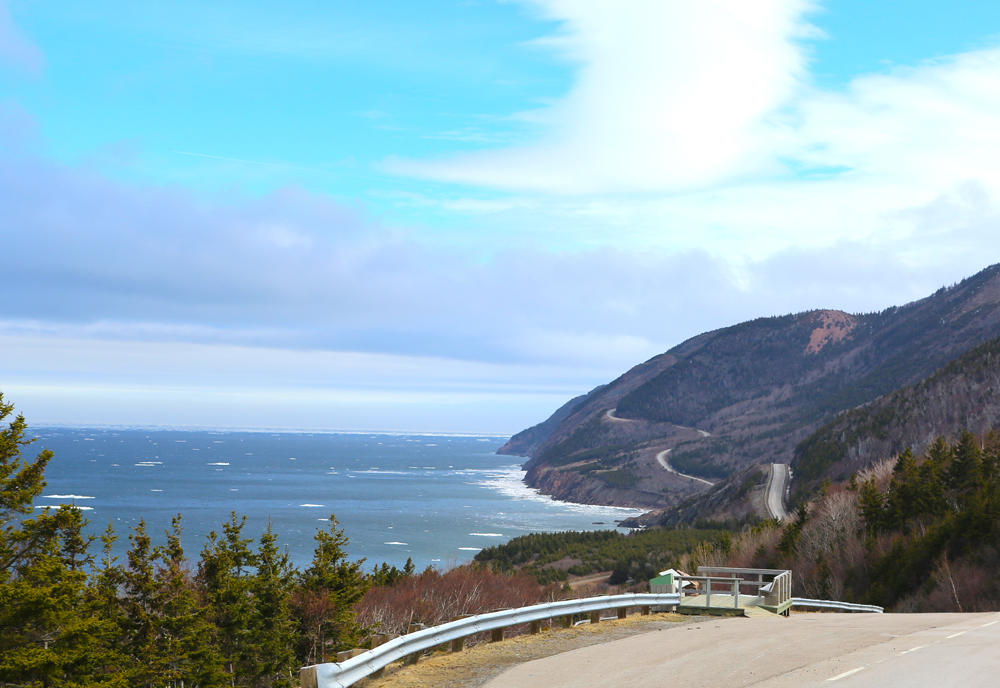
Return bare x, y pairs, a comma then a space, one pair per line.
66, 497
312, 505
471, 549
395, 543
487, 534
218, 463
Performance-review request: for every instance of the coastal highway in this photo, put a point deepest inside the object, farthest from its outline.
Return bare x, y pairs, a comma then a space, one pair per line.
775, 497
841, 650
662, 458
610, 415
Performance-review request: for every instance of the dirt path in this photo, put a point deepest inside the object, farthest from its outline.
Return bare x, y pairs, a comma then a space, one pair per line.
662, 458
482, 663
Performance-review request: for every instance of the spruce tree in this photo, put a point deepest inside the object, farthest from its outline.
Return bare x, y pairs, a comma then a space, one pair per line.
272, 635
329, 589
47, 631
226, 573
965, 471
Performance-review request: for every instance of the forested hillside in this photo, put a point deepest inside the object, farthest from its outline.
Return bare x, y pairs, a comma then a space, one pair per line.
917, 533
965, 394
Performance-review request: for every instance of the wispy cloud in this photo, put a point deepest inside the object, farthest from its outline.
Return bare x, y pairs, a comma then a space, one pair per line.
668, 96
15, 47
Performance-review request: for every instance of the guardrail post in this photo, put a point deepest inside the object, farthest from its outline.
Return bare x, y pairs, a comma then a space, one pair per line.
595, 617
382, 639
307, 677
458, 644
535, 627
567, 621
644, 610
415, 657
497, 635
708, 593
622, 612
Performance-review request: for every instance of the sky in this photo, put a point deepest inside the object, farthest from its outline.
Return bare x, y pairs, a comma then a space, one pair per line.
448, 216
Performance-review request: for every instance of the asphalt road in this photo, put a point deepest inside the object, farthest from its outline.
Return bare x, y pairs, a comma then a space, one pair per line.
776, 491
662, 458
842, 650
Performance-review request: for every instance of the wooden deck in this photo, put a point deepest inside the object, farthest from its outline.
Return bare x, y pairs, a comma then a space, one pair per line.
722, 605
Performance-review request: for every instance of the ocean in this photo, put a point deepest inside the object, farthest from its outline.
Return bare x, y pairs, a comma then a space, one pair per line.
436, 498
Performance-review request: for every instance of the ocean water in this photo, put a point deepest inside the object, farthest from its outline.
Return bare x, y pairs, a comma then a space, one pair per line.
437, 499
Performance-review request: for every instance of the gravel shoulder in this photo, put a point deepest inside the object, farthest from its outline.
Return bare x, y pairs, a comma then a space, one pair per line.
477, 665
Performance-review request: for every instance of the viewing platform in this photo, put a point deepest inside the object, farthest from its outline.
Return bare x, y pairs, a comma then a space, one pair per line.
726, 591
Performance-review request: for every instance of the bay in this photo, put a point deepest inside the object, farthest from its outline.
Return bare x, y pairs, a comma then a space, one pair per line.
436, 498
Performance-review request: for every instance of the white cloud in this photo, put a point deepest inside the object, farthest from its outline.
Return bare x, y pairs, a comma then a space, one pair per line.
669, 95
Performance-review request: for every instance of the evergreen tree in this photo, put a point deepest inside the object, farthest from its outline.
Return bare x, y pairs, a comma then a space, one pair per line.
965, 471
186, 651
47, 632
271, 661
226, 573
329, 589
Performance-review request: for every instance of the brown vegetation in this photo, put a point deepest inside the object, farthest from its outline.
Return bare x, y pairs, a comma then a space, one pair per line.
436, 597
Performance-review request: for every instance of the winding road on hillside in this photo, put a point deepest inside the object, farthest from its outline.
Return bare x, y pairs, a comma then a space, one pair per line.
610, 415
775, 496
854, 650
662, 458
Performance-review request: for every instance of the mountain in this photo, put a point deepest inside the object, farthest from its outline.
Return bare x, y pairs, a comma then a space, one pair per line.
963, 395
719, 404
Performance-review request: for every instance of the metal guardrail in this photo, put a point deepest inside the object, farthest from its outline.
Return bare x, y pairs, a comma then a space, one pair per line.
348, 672
833, 604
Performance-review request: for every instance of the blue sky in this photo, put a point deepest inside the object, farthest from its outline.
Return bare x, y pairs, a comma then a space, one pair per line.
456, 215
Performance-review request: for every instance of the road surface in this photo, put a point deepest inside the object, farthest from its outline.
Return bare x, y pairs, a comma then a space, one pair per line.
662, 458
833, 650
776, 485
610, 413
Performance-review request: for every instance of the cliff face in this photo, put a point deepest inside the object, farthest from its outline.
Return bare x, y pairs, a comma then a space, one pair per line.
725, 401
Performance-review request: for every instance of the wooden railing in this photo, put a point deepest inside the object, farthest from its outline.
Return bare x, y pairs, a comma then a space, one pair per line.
774, 585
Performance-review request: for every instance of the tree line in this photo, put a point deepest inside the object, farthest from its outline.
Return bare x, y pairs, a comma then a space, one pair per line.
240, 614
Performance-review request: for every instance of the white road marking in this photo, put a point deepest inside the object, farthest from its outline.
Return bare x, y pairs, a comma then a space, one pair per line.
913, 649
990, 623
955, 635
846, 674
